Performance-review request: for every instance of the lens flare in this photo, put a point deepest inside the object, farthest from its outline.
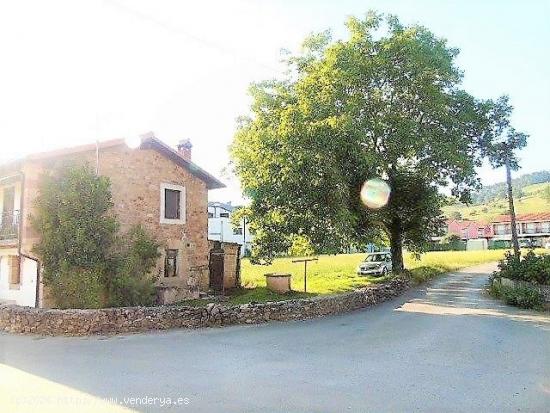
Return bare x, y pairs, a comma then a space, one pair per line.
375, 193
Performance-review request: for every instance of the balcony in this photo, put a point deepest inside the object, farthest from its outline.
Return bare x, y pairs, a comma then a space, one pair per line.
9, 227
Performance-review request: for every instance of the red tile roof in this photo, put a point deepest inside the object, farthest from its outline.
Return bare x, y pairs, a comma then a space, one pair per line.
535, 217
464, 223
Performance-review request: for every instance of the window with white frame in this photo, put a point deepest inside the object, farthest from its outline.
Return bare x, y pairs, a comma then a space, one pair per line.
172, 204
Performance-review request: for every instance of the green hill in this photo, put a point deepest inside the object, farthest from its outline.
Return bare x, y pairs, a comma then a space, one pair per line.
528, 199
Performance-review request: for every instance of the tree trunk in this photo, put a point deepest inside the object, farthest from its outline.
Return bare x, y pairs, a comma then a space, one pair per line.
396, 246
515, 242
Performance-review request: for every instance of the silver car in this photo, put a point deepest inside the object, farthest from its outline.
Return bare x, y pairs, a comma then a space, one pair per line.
377, 263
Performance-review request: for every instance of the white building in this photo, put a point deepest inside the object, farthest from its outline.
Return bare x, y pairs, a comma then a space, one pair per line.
221, 229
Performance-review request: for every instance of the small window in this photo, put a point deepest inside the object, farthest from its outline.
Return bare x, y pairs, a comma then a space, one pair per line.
172, 204
237, 231
224, 214
210, 215
171, 263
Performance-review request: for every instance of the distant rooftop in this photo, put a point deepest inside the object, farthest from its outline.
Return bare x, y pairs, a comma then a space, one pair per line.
533, 217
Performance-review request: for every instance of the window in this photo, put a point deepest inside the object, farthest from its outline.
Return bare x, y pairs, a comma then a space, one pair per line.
237, 231
224, 214
171, 263
172, 204
210, 215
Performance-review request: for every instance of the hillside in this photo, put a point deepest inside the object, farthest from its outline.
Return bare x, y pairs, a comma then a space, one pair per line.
530, 198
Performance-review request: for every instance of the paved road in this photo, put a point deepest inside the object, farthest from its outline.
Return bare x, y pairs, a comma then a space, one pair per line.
436, 349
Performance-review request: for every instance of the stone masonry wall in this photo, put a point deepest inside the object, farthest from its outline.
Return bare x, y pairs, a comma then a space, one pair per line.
28, 320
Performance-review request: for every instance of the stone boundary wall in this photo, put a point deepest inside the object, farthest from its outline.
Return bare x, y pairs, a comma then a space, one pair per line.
27, 320
543, 289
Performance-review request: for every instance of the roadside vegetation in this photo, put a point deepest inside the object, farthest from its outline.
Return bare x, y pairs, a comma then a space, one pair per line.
526, 274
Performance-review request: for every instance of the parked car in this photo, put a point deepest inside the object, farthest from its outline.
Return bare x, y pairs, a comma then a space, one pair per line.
378, 263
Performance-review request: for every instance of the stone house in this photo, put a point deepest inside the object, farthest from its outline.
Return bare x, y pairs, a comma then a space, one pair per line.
152, 185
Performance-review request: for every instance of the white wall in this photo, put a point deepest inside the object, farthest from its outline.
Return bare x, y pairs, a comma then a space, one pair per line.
26, 294
221, 229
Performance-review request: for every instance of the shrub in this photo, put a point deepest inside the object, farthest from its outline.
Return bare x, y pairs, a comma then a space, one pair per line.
77, 288
131, 282
532, 268
72, 215
523, 297
85, 264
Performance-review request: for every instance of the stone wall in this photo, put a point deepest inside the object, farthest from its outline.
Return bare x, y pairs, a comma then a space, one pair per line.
231, 263
16, 319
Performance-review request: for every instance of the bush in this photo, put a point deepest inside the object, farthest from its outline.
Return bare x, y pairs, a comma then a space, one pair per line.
523, 297
85, 264
77, 288
532, 268
131, 282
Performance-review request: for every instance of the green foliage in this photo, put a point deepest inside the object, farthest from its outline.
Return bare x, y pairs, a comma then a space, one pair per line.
497, 191
531, 267
374, 105
131, 282
301, 247
455, 215
85, 264
72, 215
75, 287
523, 297
450, 242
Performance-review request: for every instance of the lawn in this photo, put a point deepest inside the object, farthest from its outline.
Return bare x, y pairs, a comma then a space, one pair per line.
336, 274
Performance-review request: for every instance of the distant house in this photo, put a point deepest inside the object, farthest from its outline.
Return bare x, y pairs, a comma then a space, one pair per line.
534, 227
467, 229
154, 185
220, 227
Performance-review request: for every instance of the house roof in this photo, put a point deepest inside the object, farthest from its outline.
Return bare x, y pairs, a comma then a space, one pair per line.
464, 224
534, 217
147, 142
225, 205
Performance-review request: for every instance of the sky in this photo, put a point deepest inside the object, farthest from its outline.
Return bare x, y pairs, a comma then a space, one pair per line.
73, 72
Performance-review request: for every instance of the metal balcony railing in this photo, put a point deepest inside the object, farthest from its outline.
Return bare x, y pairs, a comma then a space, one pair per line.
9, 225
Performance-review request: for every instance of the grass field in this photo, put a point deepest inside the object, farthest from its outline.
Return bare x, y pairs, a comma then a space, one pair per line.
531, 201
336, 274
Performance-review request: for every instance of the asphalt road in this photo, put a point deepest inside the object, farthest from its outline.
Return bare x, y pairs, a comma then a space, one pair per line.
437, 349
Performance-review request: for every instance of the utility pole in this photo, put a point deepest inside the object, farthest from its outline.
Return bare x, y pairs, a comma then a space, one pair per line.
515, 242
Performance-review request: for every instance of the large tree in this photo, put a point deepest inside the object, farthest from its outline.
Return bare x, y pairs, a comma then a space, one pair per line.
386, 102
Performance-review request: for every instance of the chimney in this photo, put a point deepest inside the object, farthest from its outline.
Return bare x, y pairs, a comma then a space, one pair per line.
184, 149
